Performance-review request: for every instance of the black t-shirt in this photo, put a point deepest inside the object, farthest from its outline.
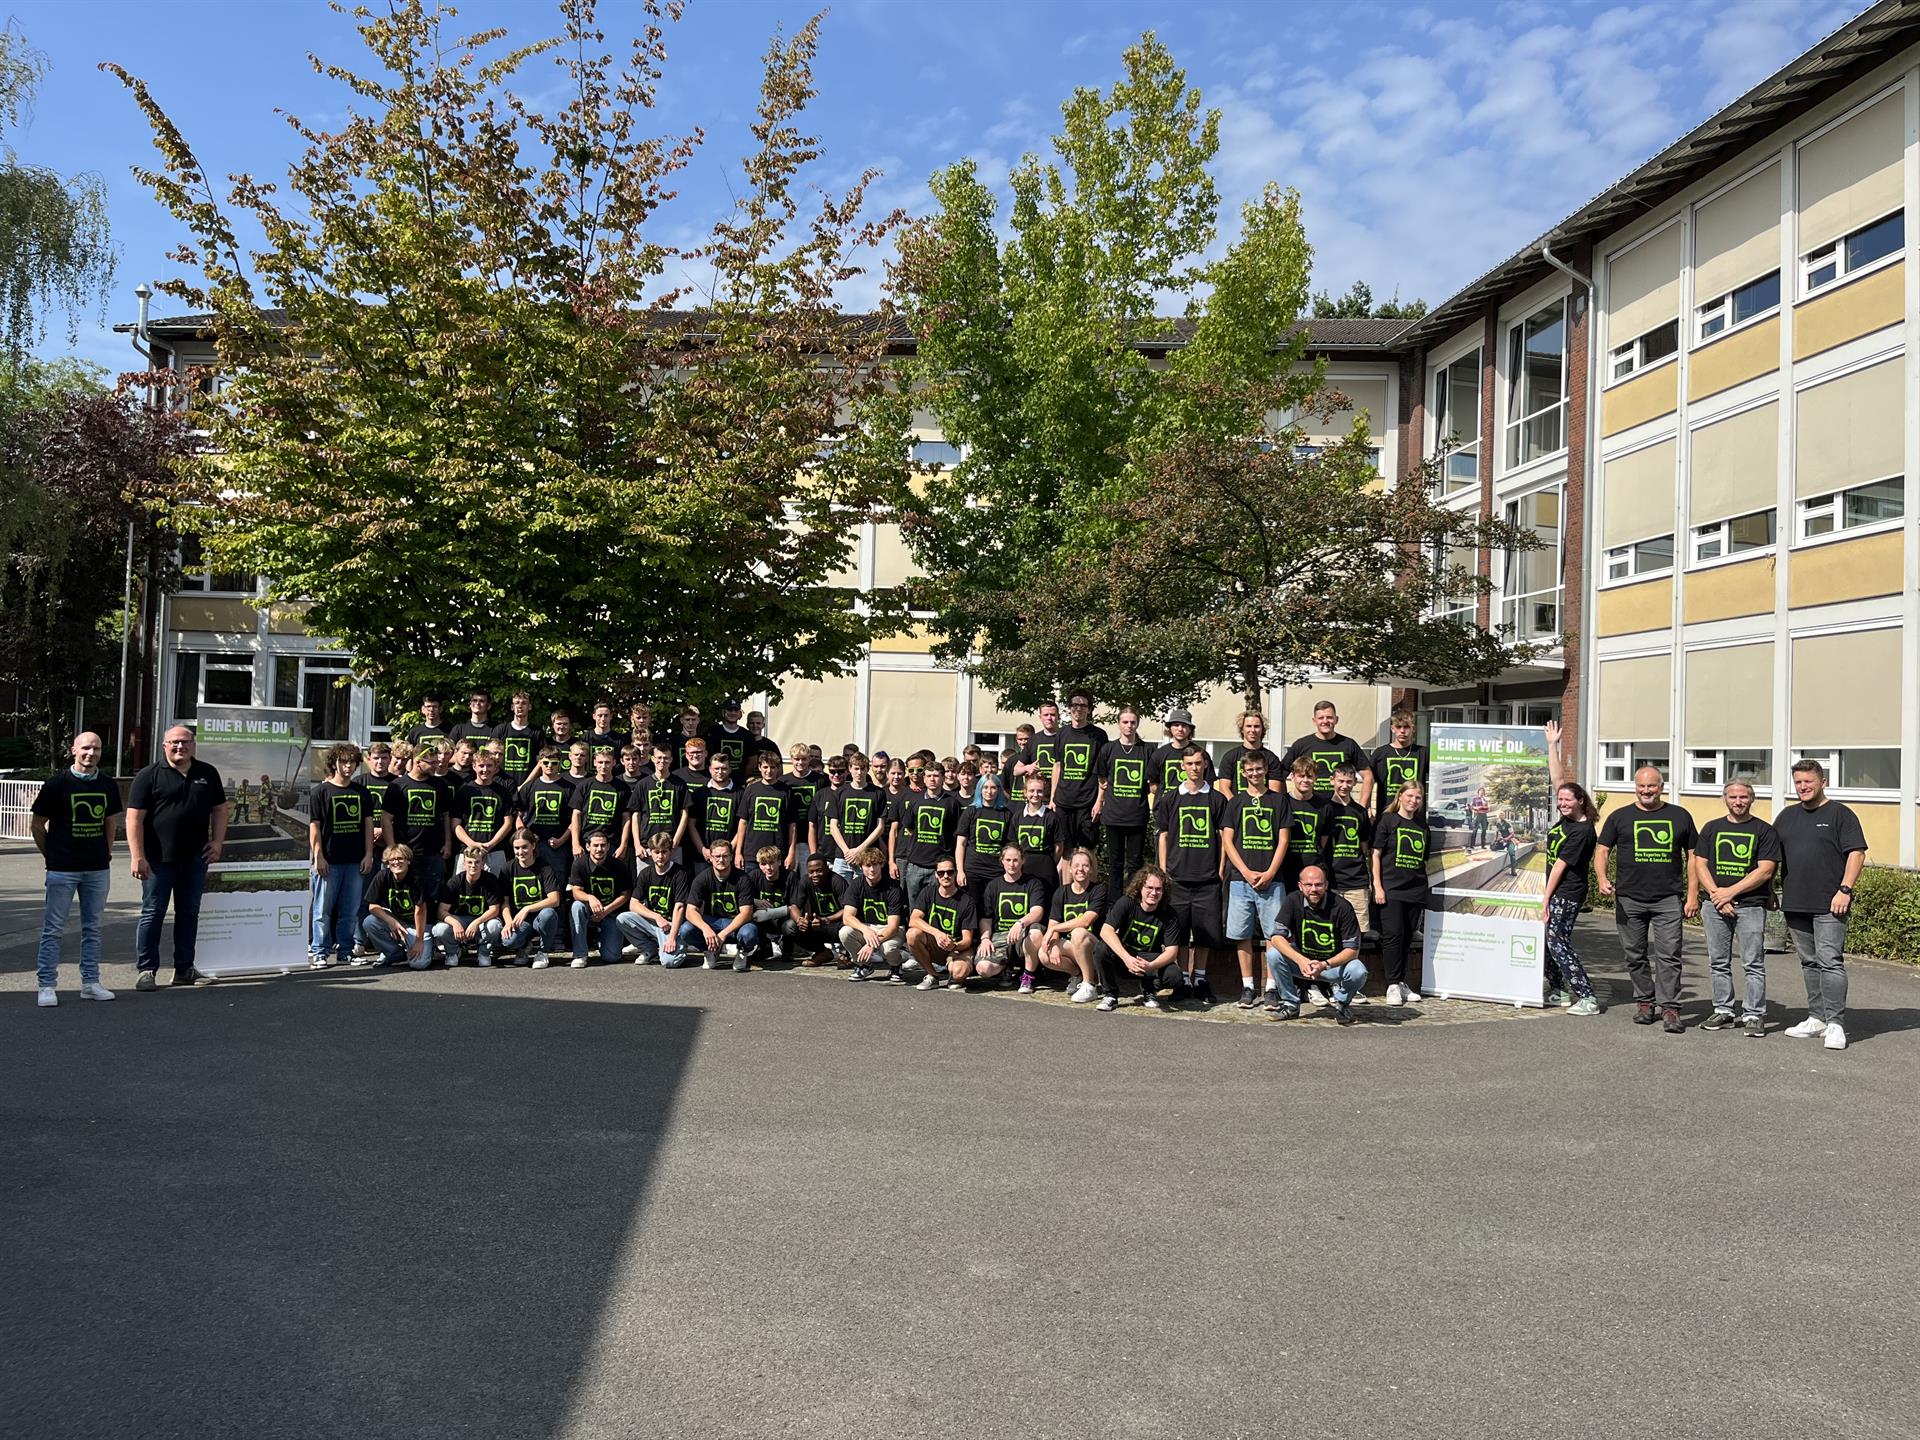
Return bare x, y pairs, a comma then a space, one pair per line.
377, 786
1079, 767
985, 832
1071, 904
602, 808
1393, 768
471, 899
479, 734
1233, 767
1322, 931
730, 743
720, 899
546, 805
483, 811
606, 881
1325, 755
693, 785
1192, 824
769, 811
179, 808
611, 741
1035, 835
1044, 750
874, 903
76, 809
952, 915
659, 803
1164, 768
1731, 851
417, 808
399, 898
1256, 822
529, 884
1814, 845
719, 813
424, 733
341, 812
823, 900
1307, 843
1650, 848
1571, 841
1009, 900
519, 750
1402, 844
660, 890
1349, 834
1124, 768
927, 826
858, 812
803, 795
1144, 932
770, 892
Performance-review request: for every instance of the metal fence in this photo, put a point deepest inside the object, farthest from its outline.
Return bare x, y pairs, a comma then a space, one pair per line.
16, 808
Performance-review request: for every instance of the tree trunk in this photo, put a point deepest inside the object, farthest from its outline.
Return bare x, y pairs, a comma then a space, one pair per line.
1250, 685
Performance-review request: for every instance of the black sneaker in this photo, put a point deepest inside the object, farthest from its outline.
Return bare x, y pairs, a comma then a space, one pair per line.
1753, 1026
860, 972
1249, 997
1718, 1020
1283, 1011
1108, 1002
1343, 1015
1203, 991
184, 977
1675, 1025
1270, 997
1644, 1013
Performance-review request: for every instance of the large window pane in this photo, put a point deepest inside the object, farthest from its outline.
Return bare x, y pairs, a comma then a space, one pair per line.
228, 684
1883, 237
328, 702
1870, 504
186, 686
1536, 385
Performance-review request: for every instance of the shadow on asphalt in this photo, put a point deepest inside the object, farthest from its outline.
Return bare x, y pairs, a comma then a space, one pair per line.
335, 1208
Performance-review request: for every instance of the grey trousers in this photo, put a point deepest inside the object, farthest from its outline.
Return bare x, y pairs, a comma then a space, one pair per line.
1650, 934
1819, 940
1747, 932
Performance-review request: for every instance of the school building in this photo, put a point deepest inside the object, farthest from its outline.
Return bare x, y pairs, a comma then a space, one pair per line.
1698, 391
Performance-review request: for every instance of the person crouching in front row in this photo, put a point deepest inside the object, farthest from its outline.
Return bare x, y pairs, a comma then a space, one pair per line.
1317, 939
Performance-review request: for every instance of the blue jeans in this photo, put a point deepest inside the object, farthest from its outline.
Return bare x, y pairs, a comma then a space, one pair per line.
1347, 980
747, 937
643, 935
91, 885
179, 881
1746, 932
583, 927
545, 924
336, 909
1254, 914
395, 948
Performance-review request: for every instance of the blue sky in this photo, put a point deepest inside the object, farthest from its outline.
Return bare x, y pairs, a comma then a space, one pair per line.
1428, 141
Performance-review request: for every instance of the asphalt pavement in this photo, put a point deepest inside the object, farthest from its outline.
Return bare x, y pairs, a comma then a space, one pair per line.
630, 1202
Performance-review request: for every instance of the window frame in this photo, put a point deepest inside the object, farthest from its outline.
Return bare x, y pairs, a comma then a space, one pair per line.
1513, 428
1501, 596
1634, 352
1438, 441
1724, 529
1833, 500
1834, 252
1830, 757
1716, 761
1725, 304
197, 577
1618, 760
1631, 576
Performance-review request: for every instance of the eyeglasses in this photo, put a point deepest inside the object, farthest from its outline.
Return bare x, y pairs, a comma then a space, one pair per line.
943, 874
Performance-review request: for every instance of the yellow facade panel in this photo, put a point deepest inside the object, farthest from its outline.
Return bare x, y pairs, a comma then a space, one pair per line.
1646, 397
1634, 698
814, 712
1726, 362
1845, 689
1857, 308
287, 619
909, 709
191, 612
1845, 570
914, 640
1629, 609
1725, 592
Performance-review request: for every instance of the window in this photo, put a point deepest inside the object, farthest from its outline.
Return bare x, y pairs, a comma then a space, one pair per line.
1742, 535
1712, 769
1876, 503
1736, 307
309, 682
929, 453
1307, 452
195, 576
210, 680
1656, 345
1530, 579
1853, 253
1456, 422
1640, 559
1869, 768
1619, 759
1537, 385
1455, 557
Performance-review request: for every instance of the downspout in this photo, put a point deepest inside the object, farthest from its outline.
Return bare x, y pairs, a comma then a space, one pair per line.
1587, 461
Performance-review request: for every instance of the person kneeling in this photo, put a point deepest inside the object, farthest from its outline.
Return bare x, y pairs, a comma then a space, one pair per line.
1073, 931
600, 886
394, 898
1012, 922
941, 930
651, 924
872, 921
1141, 939
720, 912
469, 904
1317, 939
529, 922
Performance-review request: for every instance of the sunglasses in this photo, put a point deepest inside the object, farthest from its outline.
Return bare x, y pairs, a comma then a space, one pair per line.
943, 874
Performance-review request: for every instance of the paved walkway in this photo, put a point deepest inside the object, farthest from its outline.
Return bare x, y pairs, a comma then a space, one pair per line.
629, 1202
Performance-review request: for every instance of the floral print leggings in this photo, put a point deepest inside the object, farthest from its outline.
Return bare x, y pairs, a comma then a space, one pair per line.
1564, 969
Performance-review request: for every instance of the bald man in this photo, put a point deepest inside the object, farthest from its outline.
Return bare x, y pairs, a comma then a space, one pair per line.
176, 826
76, 817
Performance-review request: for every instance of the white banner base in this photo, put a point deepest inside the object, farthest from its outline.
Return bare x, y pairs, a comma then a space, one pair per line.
256, 918
1484, 957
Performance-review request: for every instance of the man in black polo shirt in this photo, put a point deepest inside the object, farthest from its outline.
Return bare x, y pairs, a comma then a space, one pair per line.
1825, 850
75, 818
1076, 785
1122, 768
1326, 747
1654, 840
176, 826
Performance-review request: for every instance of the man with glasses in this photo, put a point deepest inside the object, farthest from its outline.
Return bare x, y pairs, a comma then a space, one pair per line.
940, 931
176, 827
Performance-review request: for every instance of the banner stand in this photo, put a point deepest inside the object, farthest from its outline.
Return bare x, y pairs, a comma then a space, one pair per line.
256, 918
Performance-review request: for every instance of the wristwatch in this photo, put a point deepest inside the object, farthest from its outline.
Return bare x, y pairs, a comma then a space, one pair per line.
1846, 889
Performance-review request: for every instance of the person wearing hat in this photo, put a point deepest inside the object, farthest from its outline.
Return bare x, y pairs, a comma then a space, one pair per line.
1164, 771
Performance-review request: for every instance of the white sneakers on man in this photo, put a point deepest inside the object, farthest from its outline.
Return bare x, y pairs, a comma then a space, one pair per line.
1807, 1028
49, 996
1836, 1036
94, 990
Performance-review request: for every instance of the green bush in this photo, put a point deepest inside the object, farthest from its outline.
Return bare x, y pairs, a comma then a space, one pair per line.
1885, 920
17, 753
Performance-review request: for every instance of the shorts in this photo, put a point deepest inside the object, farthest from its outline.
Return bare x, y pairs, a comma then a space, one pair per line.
1253, 914
1198, 907
1075, 828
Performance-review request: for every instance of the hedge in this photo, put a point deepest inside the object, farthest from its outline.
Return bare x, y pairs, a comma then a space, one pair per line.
1886, 915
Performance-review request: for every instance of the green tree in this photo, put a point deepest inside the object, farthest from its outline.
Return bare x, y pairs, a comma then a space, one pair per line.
485, 445
1358, 304
55, 251
1524, 791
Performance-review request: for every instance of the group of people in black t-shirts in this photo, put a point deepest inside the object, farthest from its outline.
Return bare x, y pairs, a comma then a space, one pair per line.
709, 845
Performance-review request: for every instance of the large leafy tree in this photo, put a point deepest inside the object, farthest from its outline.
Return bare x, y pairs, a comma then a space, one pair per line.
485, 441
55, 251
1129, 511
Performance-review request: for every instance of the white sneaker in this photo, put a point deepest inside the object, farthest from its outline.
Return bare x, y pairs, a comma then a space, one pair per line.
578, 962
48, 995
1409, 996
94, 990
540, 962
928, 984
1807, 1028
631, 952
1082, 993
777, 949
1836, 1036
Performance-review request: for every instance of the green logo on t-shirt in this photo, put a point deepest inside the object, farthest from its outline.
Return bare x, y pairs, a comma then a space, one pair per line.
1316, 937
345, 809
1556, 837
659, 805
1256, 826
546, 805
1346, 837
1402, 770
929, 824
527, 889
1732, 855
1075, 760
1031, 836
723, 900
1129, 778
1010, 906
1653, 841
719, 814
943, 917
600, 806
1196, 828
600, 887
1142, 934
987, 830
873, 910
1409, 848
87, 814
1324, 761
659, 897
516, 752
1072, 909
767, 812
423, 806
480, 812
1308, 824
